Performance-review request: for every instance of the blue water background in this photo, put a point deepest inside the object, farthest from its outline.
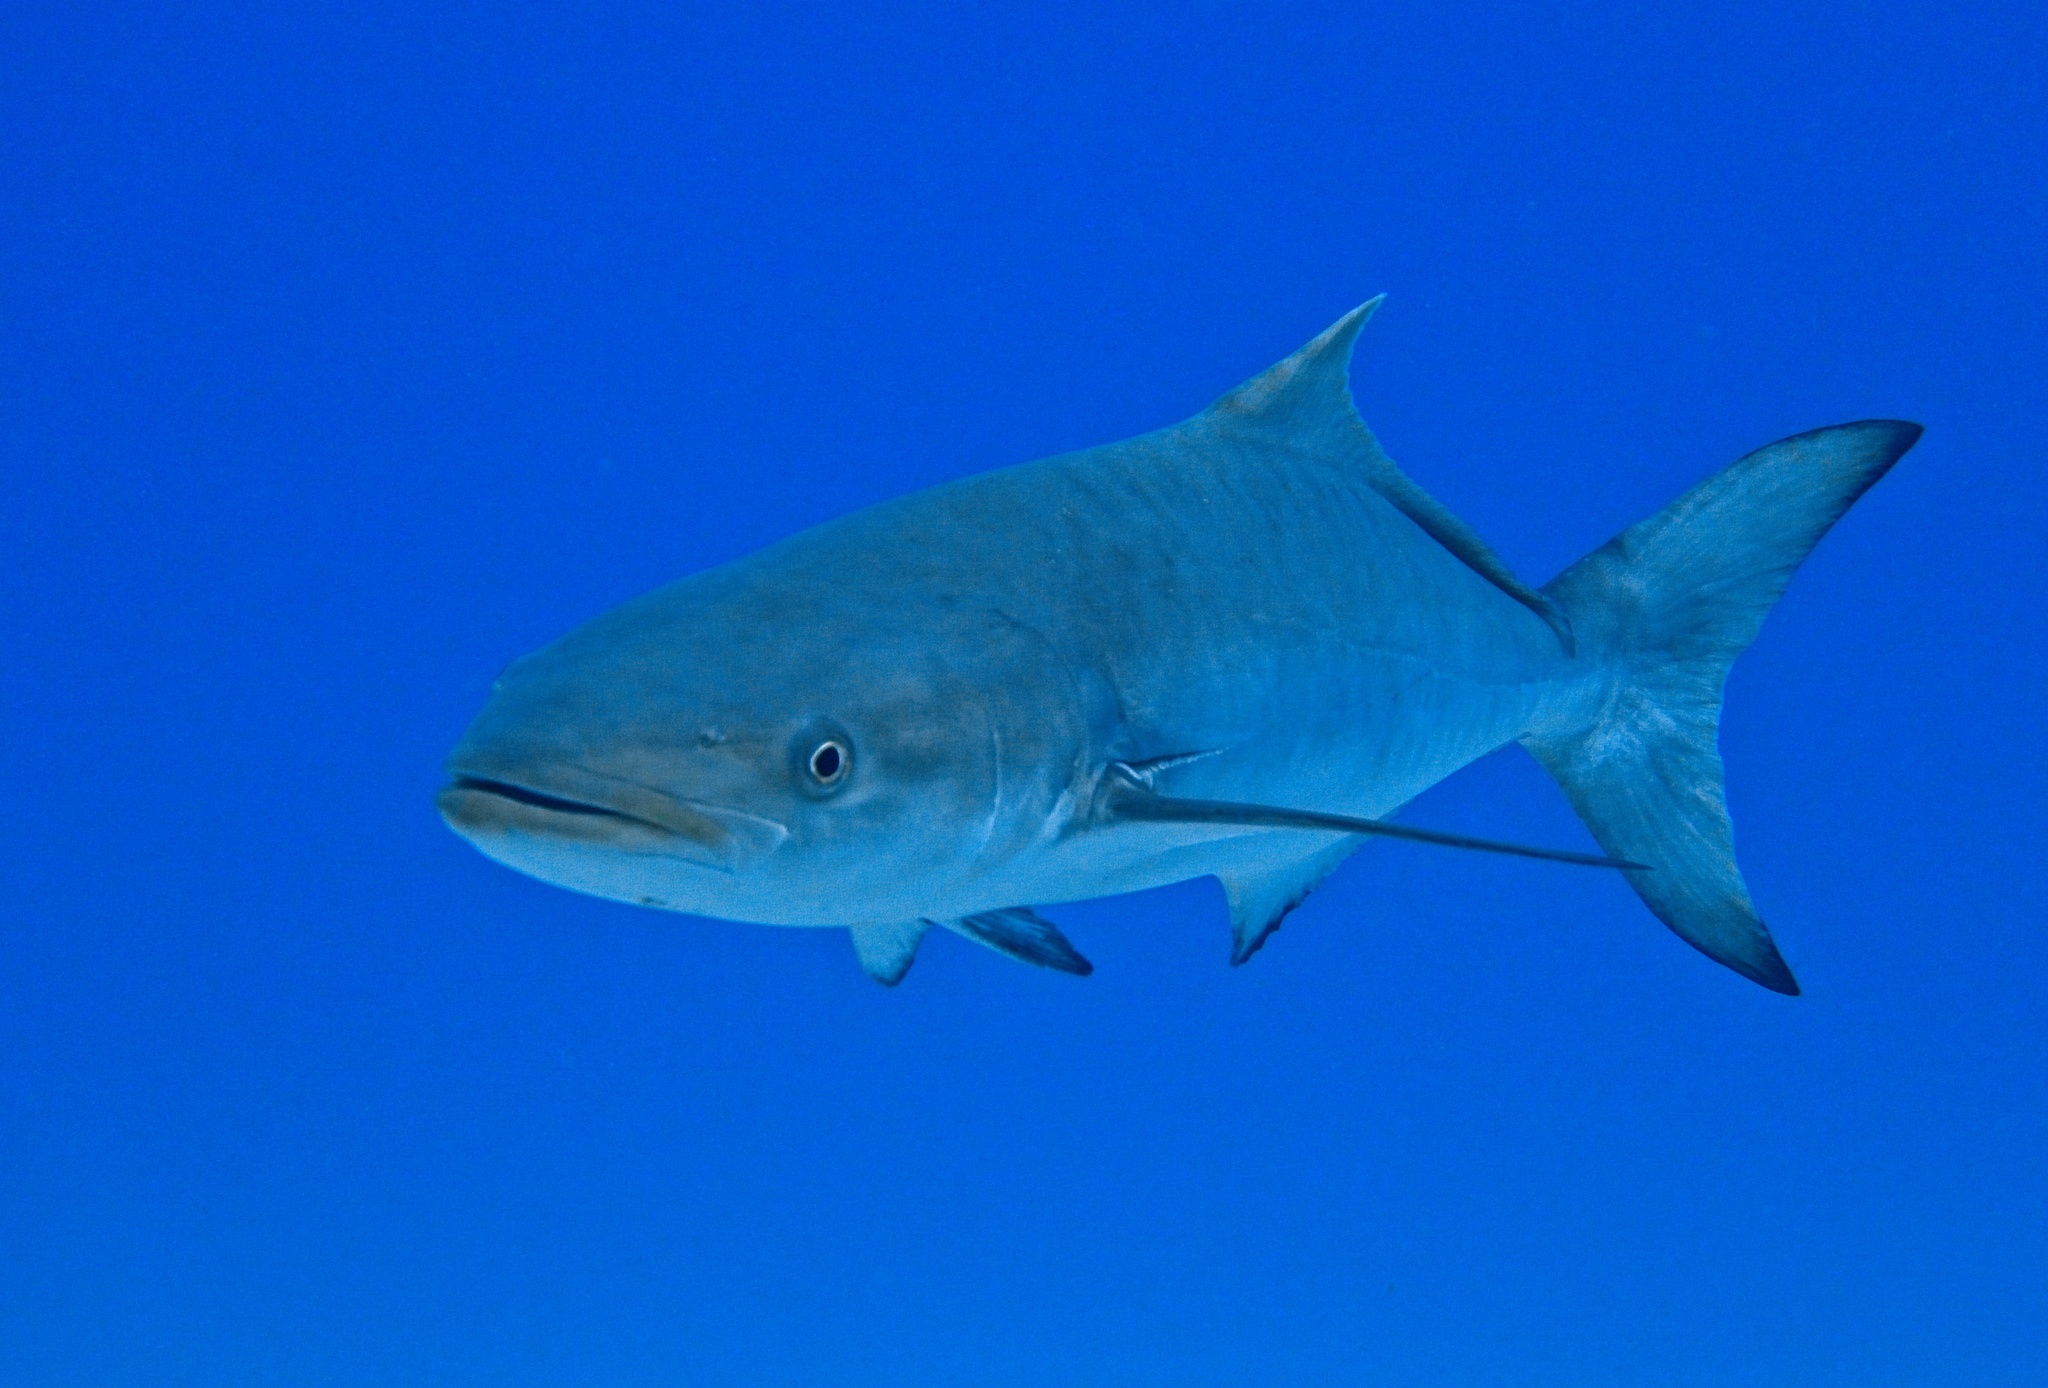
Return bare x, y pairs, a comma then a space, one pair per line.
347, 352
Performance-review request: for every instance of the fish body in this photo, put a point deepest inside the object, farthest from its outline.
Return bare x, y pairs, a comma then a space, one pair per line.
1014, 679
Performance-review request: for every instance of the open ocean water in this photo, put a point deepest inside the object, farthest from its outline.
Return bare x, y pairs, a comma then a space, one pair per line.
347, 352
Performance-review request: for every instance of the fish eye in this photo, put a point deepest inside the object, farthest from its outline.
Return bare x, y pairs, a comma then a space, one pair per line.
829, 761
820, 757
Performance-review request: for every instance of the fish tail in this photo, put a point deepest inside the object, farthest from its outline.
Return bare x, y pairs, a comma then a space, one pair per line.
1669, 604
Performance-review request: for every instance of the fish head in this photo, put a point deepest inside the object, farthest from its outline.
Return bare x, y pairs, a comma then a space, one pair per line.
769, 749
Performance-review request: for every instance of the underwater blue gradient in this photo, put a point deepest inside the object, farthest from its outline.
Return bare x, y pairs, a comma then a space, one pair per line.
347, 352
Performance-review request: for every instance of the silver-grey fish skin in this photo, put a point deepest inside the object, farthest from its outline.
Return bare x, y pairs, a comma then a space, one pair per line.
1234, 600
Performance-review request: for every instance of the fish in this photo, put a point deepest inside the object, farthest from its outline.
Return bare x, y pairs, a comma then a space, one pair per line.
1230, 648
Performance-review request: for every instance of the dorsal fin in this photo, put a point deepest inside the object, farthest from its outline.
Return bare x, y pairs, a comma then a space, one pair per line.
1307, 399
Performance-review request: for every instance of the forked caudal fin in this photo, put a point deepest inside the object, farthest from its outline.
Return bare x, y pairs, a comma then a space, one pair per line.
1670, 603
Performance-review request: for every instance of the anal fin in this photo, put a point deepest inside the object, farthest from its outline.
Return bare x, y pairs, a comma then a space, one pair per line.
887, 951
1024, 935
1259, 901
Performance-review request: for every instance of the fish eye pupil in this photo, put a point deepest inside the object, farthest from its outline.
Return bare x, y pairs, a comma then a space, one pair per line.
828, 763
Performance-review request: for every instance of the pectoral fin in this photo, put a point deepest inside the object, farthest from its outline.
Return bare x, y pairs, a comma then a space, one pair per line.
1124, 797
887, 951
1022, 934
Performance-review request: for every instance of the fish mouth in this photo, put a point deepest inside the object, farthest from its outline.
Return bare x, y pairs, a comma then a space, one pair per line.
572, 805
521, 795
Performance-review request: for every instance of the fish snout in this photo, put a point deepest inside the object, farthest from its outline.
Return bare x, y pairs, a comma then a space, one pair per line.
571, 805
